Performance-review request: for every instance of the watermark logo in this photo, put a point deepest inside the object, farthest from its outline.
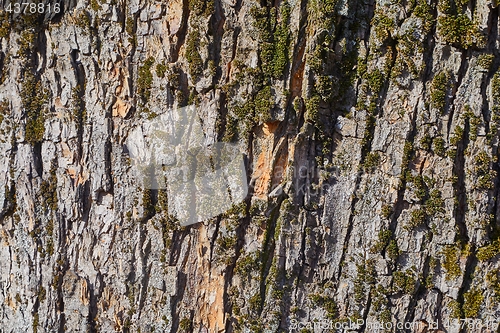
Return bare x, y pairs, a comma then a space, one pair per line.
203, 178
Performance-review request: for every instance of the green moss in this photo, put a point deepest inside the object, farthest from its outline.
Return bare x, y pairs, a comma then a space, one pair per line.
369, 130
327, 303
495, 87
439, 90
4, 70
50, 247
372, 160
274, 37
312, 106
482, 169
194, 98
130, 26
4, 109
185, 325
493, 280
458, 135
386, 211
55, 280
4, 24
494, 124
205, 8
48, 190
362, 67
145, 80
359, 291
79, 113
423, 11
281, 41
459, 30
173, 77
161, 69
263, 102
375, 81
262, 23
404, 281
426, 142
438, 146
255, 302
435, 203
10, 198
35, 129
324, 86
212, 68
385, 316
482, 162
33, 99
485, 60
94, 4
147, 204
83, 21
384, 236
382, 25
379, 298
474, 122
36, 322
472, 303
324, 13
366, 276
26, 44
489, 251
407, 155
456, 309
226, 242
429, 280
231, 130
246, 265
417, 218
193, 56
49, 228
419, 187
451, 254
392, 250
41, 294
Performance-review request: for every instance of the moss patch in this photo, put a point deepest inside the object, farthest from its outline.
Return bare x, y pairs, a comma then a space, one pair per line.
489, 251
33, 99
439, 91
372, 160
482, 169
404, 281
145, 79
472, 303
451, 254
193, 56
459, 30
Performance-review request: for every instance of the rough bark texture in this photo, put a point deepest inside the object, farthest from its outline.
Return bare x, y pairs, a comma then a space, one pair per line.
370, 130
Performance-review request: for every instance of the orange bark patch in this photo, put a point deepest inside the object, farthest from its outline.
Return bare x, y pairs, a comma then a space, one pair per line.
269, 128
263, 172
58, 103
210, 301
280, 168
421, 162
298, 74
121, 108
10, 302
270, 165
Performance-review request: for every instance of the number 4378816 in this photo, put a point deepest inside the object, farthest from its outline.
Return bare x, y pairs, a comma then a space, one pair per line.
33, 8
